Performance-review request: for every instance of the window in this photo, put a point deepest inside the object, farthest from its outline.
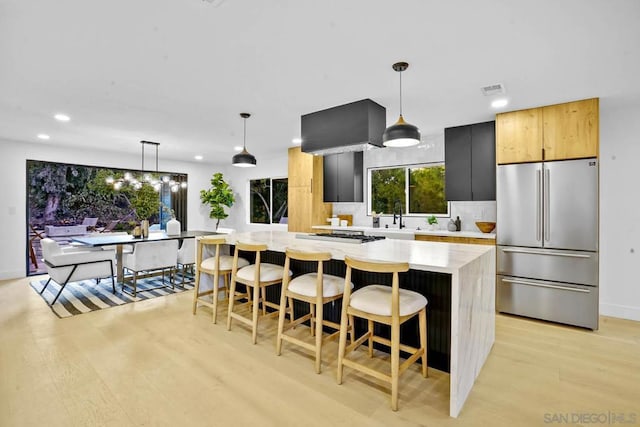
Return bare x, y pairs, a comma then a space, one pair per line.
422, 184
268, 200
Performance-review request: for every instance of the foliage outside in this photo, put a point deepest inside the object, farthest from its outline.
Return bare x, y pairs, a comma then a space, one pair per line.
263, 192
426, 190
218, 196
65, 194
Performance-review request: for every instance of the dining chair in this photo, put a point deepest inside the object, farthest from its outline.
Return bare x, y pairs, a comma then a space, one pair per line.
152, 257
73, 264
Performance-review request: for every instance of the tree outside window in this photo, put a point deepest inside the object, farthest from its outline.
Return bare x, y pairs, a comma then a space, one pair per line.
268, 200
424, 185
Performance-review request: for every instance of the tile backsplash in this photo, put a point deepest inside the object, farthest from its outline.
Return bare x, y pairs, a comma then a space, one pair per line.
469, 213
431, 149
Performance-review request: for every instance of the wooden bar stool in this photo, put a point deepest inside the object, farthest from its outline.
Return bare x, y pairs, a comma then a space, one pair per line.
216, 266
389, 305
257, 276
316, 289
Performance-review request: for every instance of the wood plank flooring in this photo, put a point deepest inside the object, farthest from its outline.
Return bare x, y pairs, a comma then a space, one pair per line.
153, 363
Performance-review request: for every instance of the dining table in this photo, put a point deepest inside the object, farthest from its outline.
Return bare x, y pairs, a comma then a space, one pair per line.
120, 240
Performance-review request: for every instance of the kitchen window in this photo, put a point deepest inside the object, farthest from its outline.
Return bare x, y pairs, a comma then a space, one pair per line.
418, 189
268, 201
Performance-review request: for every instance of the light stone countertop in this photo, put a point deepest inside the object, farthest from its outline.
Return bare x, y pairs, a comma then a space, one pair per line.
382, 231
421, 255
473, 279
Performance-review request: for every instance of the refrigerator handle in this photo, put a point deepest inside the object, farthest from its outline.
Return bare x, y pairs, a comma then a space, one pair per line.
538, 206
547, 210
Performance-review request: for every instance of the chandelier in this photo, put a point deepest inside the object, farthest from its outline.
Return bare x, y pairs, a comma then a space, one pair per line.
136, 181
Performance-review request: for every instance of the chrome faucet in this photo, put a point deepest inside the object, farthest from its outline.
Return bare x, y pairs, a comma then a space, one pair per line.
397, 207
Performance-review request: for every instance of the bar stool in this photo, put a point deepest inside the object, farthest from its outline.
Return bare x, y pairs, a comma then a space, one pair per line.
389, 305
316, 289
216, 266
257, 276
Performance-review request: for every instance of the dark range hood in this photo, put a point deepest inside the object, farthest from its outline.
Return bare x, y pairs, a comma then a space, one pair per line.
349, 127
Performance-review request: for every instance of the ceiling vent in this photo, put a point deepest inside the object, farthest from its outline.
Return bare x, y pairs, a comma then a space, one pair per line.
215, 3
497, 89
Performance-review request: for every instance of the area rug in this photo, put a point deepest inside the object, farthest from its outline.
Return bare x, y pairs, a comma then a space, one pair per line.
86, 296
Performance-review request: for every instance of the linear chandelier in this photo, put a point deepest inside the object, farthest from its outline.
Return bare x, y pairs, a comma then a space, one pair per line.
137, 181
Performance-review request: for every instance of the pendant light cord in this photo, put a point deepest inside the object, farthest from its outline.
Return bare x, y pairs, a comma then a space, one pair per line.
244, 140
400, 93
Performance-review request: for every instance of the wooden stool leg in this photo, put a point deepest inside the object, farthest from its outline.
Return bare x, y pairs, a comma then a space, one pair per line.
232, 294
353, 325
281, 315
263, 291
319, 317
370, 328
343, 339
254, 320
196, 291
395, 362
291, 319
226, 285
422, 319
216, 290
312, 321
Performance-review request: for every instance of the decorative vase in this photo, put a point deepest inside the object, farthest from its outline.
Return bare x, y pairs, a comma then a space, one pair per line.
173, 227
144, 225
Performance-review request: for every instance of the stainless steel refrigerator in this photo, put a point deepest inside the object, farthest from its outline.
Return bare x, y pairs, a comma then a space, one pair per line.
547, 237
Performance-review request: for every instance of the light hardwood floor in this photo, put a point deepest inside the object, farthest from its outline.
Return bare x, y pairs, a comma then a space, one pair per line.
153, 363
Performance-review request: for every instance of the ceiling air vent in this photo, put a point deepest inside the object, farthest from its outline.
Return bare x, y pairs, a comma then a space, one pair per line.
496, 89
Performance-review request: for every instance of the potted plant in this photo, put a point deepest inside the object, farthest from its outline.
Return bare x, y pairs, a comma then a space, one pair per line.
218, 196
433, 222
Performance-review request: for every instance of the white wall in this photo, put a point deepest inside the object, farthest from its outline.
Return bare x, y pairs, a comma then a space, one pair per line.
620, 208
13, 156
275, 166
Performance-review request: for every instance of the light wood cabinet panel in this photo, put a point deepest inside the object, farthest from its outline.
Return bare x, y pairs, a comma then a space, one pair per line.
571, 130
519, 136
305, 202
455, 239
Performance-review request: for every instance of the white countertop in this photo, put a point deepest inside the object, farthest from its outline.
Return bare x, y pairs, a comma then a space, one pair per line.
382, 231
421, 255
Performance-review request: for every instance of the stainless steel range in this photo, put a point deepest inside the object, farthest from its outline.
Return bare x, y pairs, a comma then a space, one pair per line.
340, 237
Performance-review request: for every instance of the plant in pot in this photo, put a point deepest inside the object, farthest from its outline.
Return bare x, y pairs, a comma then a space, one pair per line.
218, 196
433, 222
146, 203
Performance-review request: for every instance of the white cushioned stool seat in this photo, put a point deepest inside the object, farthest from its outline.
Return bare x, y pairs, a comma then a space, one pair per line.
376, 299
226, 263
268, 272
306, 285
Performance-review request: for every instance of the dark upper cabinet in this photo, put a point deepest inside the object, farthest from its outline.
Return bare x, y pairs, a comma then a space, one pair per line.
470, 162
343, 177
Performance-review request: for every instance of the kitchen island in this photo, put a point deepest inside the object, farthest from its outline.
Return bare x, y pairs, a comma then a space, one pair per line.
467, 271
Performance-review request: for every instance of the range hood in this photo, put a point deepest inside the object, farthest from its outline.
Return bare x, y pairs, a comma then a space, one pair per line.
356, 126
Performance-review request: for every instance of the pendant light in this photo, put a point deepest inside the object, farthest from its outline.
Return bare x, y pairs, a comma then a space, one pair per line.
401, 133
243, 159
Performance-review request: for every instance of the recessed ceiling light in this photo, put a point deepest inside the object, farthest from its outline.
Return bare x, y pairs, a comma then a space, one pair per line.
43, 136
499, 103
198, 157
296, 140
237, 148
62, 117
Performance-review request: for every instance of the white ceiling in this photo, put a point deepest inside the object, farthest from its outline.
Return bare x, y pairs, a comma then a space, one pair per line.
180, 71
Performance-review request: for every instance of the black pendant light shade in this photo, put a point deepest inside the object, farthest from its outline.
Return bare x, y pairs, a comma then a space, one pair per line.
244, 159
401, 133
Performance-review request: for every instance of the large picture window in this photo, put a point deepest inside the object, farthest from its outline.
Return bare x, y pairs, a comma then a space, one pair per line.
268, 200
418, 189
66, 200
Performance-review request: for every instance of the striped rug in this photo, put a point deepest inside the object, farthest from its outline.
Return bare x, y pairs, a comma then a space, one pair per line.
87, 295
